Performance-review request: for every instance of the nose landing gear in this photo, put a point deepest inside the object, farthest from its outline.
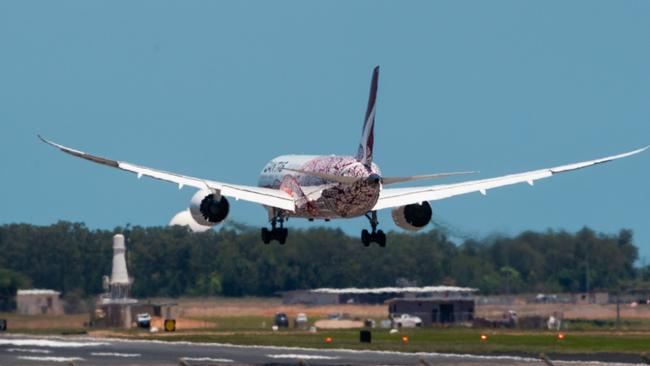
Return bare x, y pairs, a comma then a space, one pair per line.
276, 233
375, 236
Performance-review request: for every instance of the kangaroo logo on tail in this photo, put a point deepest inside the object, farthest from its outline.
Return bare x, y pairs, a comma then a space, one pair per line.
364, 154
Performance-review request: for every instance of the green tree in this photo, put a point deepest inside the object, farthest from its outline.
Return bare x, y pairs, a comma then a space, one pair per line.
10, 282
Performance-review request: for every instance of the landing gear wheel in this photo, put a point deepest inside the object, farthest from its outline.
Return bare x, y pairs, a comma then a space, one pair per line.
365, 238
266, 235
374, 236
276, 233
281, 235
381, 238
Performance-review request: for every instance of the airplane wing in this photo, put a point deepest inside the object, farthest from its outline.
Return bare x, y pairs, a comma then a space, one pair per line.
395, 197
265, 196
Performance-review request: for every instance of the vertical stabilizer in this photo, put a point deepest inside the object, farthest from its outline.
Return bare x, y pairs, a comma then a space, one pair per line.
364, 154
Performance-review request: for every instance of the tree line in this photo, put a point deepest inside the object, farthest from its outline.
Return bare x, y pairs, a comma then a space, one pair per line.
232, 261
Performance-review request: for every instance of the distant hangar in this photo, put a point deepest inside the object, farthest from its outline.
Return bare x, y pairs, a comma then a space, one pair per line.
332, 296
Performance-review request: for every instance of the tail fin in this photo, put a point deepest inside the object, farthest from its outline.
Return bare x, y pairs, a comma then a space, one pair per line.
364, 154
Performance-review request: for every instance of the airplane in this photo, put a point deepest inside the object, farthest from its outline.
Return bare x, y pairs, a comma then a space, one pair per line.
331, 187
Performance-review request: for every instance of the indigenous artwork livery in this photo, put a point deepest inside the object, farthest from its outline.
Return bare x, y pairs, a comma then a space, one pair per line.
329, 187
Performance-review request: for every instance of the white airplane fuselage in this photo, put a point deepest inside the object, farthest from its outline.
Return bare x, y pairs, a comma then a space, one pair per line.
318, 198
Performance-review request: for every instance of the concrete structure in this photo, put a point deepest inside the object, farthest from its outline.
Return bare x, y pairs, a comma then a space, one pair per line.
434, 310
114, 307
330, 296
35, 301
119, 285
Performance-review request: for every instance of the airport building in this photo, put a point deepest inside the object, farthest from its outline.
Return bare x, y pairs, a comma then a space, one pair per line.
434, 311
38, 301
330, 296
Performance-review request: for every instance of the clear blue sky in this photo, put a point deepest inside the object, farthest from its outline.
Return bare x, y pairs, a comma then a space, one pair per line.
215, 89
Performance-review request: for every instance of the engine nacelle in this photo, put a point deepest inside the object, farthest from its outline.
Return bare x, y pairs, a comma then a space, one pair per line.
207, 209
412, 217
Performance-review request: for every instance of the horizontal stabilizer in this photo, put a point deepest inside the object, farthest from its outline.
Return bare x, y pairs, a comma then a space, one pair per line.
384, 180
393, 180
332, 177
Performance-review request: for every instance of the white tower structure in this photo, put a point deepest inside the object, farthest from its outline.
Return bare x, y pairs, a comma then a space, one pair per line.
119, 285
119, 274
116, 303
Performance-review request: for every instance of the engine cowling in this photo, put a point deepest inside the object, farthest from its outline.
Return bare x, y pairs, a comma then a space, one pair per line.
412, 217
207, 209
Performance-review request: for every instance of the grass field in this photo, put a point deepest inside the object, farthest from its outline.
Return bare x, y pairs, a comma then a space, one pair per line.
249, 321
255, 330
437, 340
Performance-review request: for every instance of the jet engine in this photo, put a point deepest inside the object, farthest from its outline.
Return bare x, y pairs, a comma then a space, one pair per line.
208, 209
412, 217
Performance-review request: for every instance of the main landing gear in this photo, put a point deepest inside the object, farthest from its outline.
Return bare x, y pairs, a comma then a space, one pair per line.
375, 236
276, 233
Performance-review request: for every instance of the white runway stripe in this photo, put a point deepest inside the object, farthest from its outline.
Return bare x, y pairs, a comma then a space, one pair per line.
48, 343
206, 359
50, 358
115, 354
29, 350
303, 357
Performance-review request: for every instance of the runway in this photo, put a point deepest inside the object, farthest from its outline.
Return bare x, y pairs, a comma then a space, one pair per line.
40, 350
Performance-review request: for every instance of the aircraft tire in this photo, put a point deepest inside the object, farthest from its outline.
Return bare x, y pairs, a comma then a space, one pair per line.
365, 238
381, 238
282, 235
266, 235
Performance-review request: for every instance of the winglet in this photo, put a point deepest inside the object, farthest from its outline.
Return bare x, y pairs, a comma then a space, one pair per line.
569, 167
51, 143
81, 154
43, 139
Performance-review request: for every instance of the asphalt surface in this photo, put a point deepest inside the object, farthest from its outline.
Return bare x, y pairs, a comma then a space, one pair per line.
46, 350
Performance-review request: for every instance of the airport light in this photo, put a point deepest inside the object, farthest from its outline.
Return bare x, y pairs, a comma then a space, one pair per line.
405, 340
560, 336
484, 337
328, 340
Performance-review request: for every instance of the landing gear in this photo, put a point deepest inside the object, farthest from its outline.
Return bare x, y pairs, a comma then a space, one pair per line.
276, 233
375, 236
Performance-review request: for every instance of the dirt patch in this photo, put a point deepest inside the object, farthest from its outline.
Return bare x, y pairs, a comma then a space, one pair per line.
338, 324
183, 323
16, 321
206, 308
